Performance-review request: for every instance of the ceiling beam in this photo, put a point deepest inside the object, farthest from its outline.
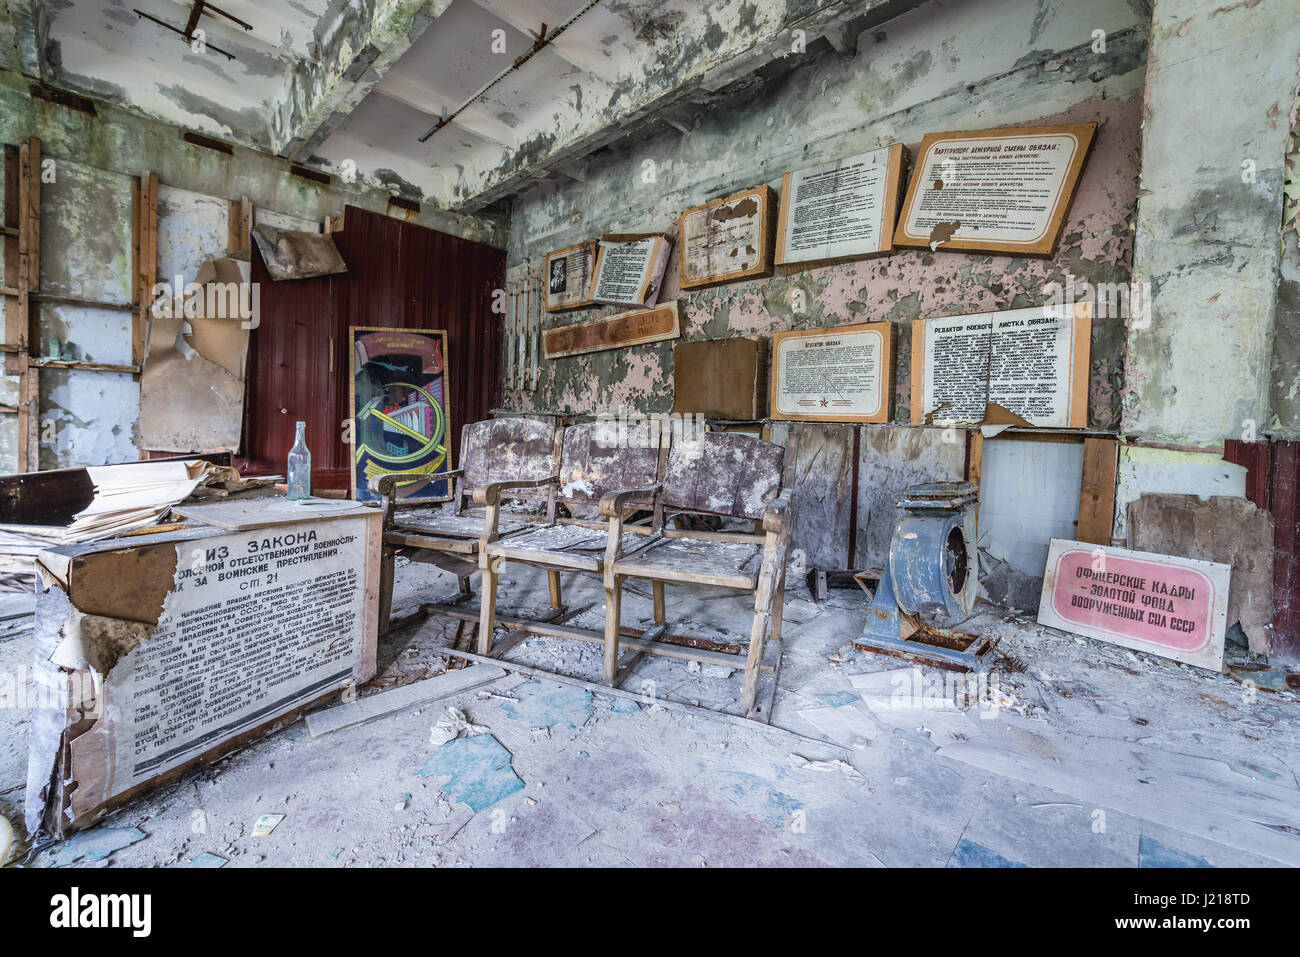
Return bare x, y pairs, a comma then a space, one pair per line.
472, 119
357, 56
765, 33
605, 70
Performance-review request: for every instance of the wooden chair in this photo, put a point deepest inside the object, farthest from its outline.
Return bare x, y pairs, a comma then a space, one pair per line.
714, 473
597, 458
506, 459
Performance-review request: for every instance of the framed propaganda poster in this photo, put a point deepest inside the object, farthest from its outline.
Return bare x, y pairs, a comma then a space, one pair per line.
1000, 191
630, 269
840, 210
401, 419
1032, 363
727, 239
569, 272
840, 374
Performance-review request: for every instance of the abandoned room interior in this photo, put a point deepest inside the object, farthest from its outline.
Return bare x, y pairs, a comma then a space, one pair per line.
648, 433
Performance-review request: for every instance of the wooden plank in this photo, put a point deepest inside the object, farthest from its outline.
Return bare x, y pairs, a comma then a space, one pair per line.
615, 332
15, 324
87, 366
29, 281
237, 225
1097, 491
376, 706
144, 221
823, 495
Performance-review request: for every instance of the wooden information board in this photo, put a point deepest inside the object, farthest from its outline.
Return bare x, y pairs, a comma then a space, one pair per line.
1004, 190
1032, 363
841, 210
840, 374
614, 332
727, 239
1175, 607
569, 272
630, 269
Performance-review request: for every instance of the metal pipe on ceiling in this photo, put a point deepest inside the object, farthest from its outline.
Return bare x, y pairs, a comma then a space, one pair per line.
543, 39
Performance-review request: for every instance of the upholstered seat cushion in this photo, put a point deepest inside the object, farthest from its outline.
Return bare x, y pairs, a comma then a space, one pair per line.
565, 546
733, 564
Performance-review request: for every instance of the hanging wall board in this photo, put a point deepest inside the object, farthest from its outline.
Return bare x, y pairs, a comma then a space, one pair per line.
727, 239
630, 269
840, 374
1018, 367
841, 210
614, 332
569, 272
399, 403
1003, 191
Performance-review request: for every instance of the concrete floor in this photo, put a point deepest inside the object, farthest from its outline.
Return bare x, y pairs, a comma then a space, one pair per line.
1077, 754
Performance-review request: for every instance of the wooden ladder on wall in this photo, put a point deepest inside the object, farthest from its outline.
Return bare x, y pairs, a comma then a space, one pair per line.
21, 291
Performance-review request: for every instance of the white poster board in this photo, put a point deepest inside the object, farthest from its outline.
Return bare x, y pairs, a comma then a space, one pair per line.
1032, 362
840, 210
1003, 190
840, 374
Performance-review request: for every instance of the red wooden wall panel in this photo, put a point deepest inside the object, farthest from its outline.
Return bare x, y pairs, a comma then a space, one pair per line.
399, 275
1272, 470
1284, 494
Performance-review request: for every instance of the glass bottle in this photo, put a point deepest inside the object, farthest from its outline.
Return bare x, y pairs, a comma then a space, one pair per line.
299, 485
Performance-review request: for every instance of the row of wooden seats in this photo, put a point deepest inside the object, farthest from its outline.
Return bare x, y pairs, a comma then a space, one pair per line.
517, 474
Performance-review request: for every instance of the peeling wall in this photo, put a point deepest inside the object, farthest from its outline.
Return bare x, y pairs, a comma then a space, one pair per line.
90, 417
942, 67
1220, 85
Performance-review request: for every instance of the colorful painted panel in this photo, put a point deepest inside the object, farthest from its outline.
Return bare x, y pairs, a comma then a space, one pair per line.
401, 420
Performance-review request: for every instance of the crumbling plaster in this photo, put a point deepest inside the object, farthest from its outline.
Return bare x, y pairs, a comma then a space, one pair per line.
90, 417
1220, 84
960, 67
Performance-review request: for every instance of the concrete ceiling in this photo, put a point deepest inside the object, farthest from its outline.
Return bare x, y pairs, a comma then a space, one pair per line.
351, 86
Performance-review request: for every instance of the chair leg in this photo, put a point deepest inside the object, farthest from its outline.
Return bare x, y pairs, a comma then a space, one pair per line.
465, 590
658, 589
553, 580
763, 605
488, 604
778, 607
385, 590
613, 621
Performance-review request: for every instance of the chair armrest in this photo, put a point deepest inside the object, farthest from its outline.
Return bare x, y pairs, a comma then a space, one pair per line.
490, 494
387, 483
776, 516
613, 503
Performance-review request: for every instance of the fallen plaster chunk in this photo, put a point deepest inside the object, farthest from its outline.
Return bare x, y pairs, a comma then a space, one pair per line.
843, 767
454, 725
